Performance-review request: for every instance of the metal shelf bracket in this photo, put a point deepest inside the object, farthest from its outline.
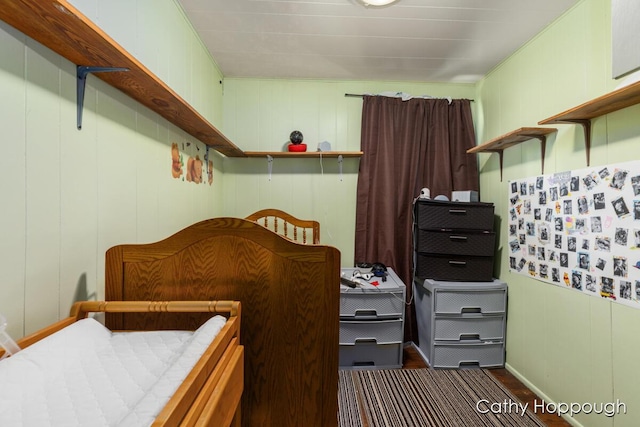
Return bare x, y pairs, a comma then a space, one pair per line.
81, 80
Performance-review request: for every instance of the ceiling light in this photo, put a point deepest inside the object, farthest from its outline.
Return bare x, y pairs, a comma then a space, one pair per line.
377, 3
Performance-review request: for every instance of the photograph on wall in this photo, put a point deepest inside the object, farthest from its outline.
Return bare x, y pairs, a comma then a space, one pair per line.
579, 229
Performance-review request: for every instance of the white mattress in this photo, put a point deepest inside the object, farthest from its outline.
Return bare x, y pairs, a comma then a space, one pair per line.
85, 375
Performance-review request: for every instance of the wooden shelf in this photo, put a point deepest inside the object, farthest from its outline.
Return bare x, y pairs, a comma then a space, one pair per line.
518, 136
62, 28
308, 154
512, 138
605, 104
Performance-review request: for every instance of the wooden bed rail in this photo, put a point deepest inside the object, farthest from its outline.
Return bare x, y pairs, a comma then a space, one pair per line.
282, 223
82, 308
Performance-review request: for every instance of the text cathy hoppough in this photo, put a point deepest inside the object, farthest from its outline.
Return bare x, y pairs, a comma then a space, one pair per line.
609, 409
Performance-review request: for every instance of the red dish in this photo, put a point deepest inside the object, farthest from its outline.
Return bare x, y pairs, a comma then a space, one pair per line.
297, 147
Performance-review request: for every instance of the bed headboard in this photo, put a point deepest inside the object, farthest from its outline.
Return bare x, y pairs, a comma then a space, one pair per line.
290, 299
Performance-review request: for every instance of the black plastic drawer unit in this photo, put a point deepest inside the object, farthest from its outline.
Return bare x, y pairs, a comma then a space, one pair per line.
454, 267
453, 241
434, 214
480, 243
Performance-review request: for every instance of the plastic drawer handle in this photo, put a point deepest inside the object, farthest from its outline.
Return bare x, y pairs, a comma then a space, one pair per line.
457, 211
458, 237
365, 341
468, 363
460, 263
467, 337
366, 313
470, 310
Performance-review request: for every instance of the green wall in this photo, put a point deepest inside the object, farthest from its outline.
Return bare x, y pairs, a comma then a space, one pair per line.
567, 346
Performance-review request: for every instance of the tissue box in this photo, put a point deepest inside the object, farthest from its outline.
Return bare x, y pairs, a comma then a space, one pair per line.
464, 196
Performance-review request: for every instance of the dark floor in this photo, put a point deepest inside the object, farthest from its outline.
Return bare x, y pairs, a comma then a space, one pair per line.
413, 360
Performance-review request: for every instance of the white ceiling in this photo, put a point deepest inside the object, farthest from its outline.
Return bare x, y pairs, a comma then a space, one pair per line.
413, 40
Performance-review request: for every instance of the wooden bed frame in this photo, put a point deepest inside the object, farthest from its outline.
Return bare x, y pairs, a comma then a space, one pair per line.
290, 299
210, 395
287, 225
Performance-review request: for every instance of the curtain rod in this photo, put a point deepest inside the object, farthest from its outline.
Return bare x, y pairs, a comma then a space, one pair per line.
355, 95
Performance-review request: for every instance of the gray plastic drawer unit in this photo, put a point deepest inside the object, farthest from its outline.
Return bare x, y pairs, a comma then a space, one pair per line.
468, 328
372, 323
383, 332
360, 304
461, 324
480, 299
370, 356
475, 355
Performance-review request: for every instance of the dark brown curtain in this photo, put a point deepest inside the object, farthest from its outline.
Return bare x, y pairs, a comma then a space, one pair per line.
408, 145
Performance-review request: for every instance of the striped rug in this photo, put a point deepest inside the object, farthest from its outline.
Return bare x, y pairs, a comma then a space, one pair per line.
427, 397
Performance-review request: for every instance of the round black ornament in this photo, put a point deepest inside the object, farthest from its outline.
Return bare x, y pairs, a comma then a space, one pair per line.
296, 137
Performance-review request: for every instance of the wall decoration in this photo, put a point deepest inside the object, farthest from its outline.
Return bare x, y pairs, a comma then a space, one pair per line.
579, 229
195, 166
194, 169
176, 161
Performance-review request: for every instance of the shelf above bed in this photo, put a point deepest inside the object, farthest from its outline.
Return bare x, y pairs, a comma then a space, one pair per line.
62, 28
308, 154
605, 104
518, 136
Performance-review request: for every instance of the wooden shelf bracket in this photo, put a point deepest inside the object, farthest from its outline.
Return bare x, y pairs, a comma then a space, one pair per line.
543, 148
501, 157
82, 71
586, 126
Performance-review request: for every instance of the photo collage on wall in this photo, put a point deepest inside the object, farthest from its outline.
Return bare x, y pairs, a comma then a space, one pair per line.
579, 229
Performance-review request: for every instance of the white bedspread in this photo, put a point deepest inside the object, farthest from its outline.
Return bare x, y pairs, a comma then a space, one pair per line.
85, 375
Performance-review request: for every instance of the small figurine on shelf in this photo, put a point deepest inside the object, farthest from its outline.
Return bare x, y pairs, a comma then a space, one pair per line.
296, 142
